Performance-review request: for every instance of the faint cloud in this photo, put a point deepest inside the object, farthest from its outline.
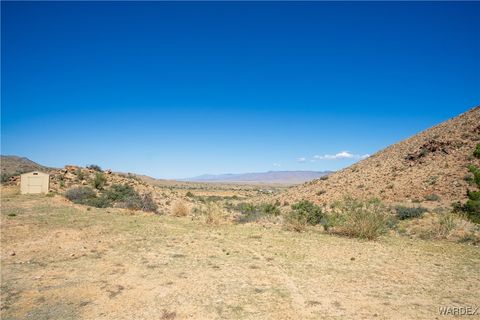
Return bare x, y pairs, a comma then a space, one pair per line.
277, 165
339, 155
301, 160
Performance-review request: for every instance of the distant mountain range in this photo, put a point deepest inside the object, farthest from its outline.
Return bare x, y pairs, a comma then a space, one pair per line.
14, 165
284, 177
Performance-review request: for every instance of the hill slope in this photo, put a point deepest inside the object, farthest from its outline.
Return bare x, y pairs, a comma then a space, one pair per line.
288, 177
13, 165
429, 165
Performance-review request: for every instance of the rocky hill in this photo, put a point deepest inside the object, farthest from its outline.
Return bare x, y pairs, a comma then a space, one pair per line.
73, 176
14, 165
428, 167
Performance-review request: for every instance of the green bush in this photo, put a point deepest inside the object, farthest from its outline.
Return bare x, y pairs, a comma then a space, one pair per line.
313, 214
473, 195
432, 197
409, 212
87, 196
270, 209
5, 177
189, 195
471, 208
251, 213
246, 208
304, 213
476, 174
476, 153
125, 196
98, 202
360, 219
99, 181
120, 192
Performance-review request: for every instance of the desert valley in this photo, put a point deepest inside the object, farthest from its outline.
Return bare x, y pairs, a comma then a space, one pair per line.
393, 236
283, 160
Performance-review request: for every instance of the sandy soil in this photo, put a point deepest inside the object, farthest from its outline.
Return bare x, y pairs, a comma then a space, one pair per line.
61, 261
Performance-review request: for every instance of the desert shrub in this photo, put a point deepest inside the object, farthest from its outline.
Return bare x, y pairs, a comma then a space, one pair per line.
409, 212
446, 223
476, 174
295, 221
5, 177
443, 225
468, 178
139, 202
80, 174
120, 192
476, 153
360, 219
313, 214
79, 194
246, 207
99, 181
189, 195
147, 203
130, 202
98, 202
87, 196
125, 196
213, 213
432, 197
270, 209
94, 167
251, 213
179, 209
471, 208
302, 214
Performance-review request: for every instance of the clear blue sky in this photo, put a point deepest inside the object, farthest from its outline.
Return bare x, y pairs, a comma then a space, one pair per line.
179, 89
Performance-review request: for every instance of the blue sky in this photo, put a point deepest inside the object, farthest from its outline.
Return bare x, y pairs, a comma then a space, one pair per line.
180, 89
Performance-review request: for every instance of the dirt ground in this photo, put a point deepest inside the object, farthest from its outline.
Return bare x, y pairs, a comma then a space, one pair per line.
60, 261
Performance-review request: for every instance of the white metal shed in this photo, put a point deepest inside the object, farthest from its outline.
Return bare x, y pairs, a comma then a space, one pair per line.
34, 182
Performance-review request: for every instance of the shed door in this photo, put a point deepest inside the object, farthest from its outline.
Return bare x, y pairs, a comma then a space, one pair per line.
34, 184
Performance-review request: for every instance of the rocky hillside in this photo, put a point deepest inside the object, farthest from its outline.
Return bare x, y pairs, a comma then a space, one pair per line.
73, 176
14, 165
428, 167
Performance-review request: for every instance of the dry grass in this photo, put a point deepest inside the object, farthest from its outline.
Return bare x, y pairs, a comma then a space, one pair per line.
359, 219
211, 213
443, 225
60, 261
214, 214
180, 209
